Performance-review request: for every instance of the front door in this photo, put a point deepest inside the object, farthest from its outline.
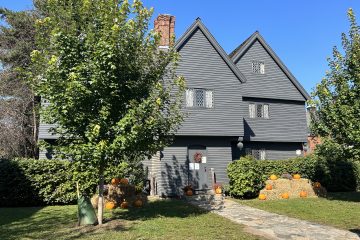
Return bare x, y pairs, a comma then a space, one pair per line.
198, 171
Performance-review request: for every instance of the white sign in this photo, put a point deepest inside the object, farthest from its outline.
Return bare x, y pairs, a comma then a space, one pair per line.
197, 166
203, 159
191, 166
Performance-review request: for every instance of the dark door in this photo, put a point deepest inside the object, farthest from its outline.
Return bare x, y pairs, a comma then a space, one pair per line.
198, 171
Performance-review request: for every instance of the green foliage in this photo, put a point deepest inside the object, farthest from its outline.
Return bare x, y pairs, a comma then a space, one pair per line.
247, 176
30, 182
337, 97
335, 169
113, 95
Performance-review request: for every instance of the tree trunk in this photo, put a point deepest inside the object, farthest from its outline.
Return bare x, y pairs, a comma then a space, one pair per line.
101, 197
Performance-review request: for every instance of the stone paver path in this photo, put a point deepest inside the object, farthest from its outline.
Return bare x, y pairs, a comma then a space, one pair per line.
275, 226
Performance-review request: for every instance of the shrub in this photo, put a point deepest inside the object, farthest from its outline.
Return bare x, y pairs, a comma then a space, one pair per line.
30, 182
36, 182
247, 176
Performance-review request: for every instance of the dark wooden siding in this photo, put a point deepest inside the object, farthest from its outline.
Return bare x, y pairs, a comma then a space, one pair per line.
173, 174
287, 122
273, 84
203, 67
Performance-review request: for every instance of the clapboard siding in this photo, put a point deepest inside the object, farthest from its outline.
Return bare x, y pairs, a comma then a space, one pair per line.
287, 122
274, 151
44, 132
203, 67
173, 174
273, 84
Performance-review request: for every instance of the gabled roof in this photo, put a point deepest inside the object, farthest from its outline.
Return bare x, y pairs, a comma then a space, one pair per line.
242, 48
199, 25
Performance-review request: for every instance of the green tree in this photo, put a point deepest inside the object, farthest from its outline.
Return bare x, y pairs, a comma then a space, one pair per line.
18, 120
337, 97
113, 94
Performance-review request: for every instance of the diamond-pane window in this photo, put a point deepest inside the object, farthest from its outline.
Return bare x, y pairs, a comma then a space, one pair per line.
200, 98
259, 111
258, 67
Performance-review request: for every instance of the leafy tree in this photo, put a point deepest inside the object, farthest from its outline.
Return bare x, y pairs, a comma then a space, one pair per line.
18, 122
114, 96
337, 97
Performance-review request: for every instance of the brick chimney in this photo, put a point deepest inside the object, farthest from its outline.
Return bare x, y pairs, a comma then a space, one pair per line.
165, 25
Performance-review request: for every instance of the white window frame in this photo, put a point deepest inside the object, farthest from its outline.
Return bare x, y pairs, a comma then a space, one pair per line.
264, 108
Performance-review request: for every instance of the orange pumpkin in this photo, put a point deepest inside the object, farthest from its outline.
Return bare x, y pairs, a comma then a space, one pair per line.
189, 192
303, 194
317, 185
124, 204
268, 187
124, 181
110, 205
296, 176
115, 181
285, 196
138, 203
218, 190
262, 196
273, 177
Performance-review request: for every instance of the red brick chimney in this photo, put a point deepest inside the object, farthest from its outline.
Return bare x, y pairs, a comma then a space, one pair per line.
165, 25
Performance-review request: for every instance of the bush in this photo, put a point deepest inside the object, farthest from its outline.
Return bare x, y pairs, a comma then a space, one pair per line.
30, 182
36, 182
247, 176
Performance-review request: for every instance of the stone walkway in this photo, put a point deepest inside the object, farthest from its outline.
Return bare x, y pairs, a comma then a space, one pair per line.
275, 226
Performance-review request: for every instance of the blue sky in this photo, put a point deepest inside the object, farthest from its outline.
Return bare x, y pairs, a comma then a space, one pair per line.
302, 33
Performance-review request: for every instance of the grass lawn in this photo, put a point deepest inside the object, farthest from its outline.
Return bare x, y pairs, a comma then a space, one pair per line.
168, 219
341, 210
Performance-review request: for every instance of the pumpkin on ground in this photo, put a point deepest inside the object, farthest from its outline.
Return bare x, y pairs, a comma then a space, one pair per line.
189, 192
268, 187
317, 185
124, 204
110, 205
115, 181
285, 196
218, 190
273, 177
124, 181
303, 194
297, 176
138, 203
262, 196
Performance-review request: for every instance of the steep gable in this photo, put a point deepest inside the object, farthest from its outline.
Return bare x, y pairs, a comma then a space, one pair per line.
276, 83
205, 65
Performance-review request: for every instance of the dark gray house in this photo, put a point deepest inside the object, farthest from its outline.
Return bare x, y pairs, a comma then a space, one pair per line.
246, 102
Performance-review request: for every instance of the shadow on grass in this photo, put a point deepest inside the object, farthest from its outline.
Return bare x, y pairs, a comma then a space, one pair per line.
59, 222
344, 196
164, 208
356, 231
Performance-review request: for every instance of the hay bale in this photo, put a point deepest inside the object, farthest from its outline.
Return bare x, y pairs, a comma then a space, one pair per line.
293, 187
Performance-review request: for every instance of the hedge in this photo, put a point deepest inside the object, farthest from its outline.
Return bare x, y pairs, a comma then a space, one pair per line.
247, 176
31, 182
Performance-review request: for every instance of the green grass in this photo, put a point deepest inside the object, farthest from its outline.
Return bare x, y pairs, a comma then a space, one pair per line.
168, 219
341, 210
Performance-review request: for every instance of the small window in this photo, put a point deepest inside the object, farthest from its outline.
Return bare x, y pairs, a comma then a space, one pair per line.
259, 111
259, 154
258, 67
199, 98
